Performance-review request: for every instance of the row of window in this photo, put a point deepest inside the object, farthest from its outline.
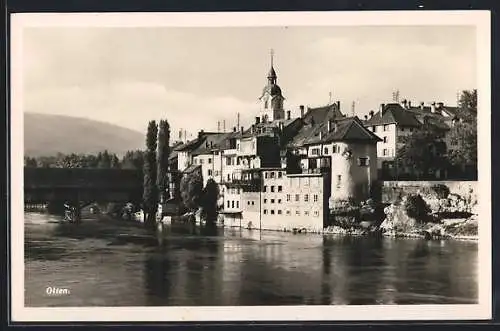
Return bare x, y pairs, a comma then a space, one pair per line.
297, 197
273, 174
280, 188
231, 204
316, 151
234, 190
289, 213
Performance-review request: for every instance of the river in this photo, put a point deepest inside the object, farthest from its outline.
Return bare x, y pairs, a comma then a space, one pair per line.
238, 267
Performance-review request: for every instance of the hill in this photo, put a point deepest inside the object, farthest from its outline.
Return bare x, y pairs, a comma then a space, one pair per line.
46, 135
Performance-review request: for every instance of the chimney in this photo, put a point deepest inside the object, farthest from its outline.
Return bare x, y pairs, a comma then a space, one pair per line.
234, 129
301, 111
409, 104
440, 105
224, 126
433, 107
382, 108
218, 126
329, 125
366, 117
371, 113
200, 134
180, 134
320, 135
288, 114
242, 129
422, 106
404, 103
338, 105
257, 120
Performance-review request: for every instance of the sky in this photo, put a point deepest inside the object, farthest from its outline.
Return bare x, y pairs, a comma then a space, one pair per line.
195, 77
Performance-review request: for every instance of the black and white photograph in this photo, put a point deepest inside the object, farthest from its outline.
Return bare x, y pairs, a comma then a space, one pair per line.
250, 166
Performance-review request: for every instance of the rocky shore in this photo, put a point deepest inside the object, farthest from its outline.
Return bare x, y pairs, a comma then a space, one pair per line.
433, 214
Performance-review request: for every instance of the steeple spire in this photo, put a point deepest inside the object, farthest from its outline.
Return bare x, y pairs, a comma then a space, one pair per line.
271, 77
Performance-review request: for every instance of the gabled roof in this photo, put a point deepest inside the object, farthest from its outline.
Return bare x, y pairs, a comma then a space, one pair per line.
346, 129
393, 113
209, 143
267, 128
321, 114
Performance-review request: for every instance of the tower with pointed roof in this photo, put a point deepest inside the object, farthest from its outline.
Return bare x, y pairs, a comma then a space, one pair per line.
271, 100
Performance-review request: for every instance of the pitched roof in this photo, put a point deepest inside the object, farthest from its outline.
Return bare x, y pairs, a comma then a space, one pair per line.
393, 113
191, 168
321, 114
346, 129
267, 128
209, 142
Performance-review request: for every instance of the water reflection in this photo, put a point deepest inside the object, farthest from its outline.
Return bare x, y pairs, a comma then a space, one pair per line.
240, 267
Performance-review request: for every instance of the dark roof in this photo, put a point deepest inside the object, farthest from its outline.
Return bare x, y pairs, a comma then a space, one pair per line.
321, 114
393, 113
209, 143
267, 128
346, 129
191, 168
272, 89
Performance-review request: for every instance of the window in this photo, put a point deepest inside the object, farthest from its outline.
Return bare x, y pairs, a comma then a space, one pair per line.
265, 104
228, 178
306, 213
288, 197
385, 152
315, 151
402, 129
279, 200
265, 211
385, 140
363, 161
253, 203
237, 204
209, 160
265, 188
280, 188
248, 203
316, 213
339, 180
228, 204
228, 160
374, 129
288, 213
325, 150
265, 174
297, 212
209, 172
411, 129
297, 197
271, 174
232, 204
265, 200
306, 197
386, 127
279, 212
315, 198
201, 161
238, 161
280, 174
272, 200
216, 173
272, 211
272, 188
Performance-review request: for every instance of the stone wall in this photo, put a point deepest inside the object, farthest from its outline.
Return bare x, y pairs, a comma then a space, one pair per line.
393, 190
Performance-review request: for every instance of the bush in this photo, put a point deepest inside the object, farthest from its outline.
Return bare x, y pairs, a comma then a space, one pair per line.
442, 191
416, 207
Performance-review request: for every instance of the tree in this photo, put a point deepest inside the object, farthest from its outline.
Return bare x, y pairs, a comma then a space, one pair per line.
104, 160
163, 155
191, 189
208, 201
150, 194
115, 163
30, 162
468, 100
133, 160
424, 152
462, 153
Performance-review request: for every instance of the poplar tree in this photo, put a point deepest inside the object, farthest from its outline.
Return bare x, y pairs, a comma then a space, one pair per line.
163, 155
150, 195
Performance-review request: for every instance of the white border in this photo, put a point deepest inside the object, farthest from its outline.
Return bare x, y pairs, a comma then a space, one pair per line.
482, 310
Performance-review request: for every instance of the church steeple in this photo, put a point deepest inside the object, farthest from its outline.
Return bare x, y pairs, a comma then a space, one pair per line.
271, 76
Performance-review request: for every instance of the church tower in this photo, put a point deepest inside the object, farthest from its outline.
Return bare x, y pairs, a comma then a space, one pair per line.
271, 100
